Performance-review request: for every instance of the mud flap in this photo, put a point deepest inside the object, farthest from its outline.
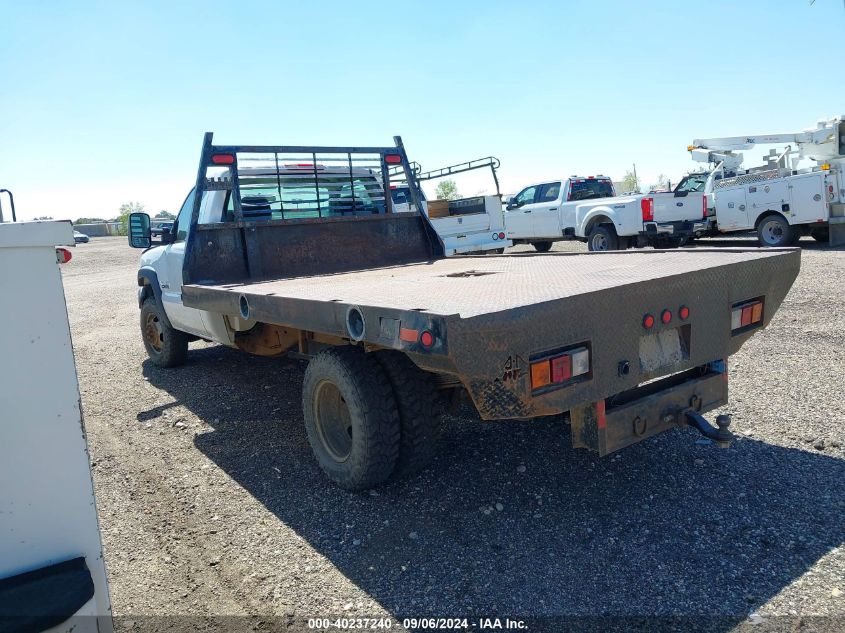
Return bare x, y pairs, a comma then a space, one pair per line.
609, 425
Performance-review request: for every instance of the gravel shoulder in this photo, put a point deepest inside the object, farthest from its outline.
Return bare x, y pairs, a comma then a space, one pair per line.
211, 503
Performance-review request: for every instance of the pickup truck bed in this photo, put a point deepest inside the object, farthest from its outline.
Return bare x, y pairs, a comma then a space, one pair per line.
491, 316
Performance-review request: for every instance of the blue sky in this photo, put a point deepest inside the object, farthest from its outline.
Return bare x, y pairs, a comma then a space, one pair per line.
103, 103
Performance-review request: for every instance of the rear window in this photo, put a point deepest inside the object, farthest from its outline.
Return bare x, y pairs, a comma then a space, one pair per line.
588, 188
292, 196
693, 183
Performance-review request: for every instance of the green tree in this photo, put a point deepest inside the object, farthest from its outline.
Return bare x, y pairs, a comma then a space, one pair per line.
45, 217
125, 209
165, 215
662, 183
447, 190
630, 182
88, 220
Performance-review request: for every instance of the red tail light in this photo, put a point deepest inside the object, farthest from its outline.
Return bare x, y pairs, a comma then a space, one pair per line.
647, 206
501, 236
703, 206
63, 255
392, 159
223, 159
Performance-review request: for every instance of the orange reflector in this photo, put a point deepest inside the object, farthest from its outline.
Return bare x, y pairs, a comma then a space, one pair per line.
757, 313
407, 335
746, 316
561, 368
540, 374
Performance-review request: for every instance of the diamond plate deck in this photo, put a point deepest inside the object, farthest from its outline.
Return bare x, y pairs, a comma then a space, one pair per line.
472, 286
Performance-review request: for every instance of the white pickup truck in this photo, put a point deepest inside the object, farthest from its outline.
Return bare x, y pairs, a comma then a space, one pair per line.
587, 209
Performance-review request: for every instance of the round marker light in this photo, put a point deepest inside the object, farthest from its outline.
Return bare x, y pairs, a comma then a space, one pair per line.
683, 313
495, 236
427, 339
501, 236
666, 316
648, 321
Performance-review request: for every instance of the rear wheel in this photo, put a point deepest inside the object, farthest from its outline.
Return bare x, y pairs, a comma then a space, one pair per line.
543, 246
351, 417
602, 237
420, 410
821, 234
774, 230
165, 346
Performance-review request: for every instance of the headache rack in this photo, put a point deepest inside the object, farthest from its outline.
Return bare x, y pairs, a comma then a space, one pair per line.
282, 204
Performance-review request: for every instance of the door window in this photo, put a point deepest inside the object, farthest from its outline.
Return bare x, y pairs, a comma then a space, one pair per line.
182, 225
548, 192
526, 196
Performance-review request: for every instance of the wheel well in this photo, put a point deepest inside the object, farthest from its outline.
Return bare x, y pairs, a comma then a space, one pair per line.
768, 214
599, 219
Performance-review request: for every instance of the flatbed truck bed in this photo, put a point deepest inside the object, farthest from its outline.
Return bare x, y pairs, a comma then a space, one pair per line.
629, 343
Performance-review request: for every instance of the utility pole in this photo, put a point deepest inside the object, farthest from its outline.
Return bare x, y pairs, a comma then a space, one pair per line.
636, 180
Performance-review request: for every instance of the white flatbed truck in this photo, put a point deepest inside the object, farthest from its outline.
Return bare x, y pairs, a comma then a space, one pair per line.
631, 344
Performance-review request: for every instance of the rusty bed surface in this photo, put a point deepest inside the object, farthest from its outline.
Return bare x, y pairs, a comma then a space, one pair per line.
472, 286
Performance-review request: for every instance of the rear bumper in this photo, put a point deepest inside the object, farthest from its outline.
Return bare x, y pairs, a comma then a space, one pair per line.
614, 423
675, 229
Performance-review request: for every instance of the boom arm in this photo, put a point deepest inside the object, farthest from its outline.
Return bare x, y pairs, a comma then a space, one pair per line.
826, 141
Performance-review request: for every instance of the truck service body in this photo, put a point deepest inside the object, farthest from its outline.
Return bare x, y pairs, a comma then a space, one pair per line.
631, 344
779, 201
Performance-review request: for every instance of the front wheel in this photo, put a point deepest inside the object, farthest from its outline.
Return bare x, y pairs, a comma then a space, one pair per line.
165, 346
543, 246
775, 231
602, 237
351, 417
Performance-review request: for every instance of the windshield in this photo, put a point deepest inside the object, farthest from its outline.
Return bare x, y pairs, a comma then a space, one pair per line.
692, 183
588, 188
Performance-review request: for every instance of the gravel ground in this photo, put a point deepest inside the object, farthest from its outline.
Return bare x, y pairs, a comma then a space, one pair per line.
210, 501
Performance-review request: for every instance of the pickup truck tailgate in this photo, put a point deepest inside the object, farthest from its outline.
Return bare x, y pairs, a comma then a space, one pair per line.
491, 316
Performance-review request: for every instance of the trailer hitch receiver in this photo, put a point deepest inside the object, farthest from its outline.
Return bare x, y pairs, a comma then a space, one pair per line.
721, 435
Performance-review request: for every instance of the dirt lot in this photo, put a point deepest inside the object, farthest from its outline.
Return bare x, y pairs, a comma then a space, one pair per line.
210, 501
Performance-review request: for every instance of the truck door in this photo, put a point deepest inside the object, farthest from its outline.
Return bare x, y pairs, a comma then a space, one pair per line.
170, 275
545, 215
808, 198
731, 211
518, 221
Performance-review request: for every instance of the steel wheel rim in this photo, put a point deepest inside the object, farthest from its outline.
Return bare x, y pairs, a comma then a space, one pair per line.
599, 242
333, 421
772, 232
153, 332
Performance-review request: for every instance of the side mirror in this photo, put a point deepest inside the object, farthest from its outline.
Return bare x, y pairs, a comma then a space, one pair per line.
511, 205
139, 230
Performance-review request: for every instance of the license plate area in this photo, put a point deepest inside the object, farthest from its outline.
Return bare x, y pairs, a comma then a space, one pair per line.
666, 349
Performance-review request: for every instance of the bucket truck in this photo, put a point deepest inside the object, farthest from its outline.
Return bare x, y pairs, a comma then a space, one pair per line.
777, 200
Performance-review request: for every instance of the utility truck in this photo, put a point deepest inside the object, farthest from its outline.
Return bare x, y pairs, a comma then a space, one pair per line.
779, 201
472, 225
631, 344
587, 209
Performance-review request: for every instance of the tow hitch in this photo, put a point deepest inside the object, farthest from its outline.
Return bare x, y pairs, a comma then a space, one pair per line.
722, 436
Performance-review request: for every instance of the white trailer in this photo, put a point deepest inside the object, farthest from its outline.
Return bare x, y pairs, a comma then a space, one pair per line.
777, 200
52, 575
